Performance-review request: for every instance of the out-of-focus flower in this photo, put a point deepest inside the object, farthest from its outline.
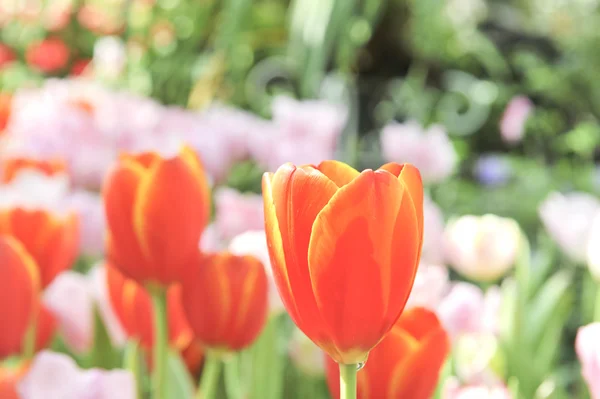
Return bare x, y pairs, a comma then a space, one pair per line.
211, 240
73, 298
237, 212
433, 233
305, 355
81, 67
98, 19
482, 248
31, 189
230, 314
5, 110
430, 150
54, 375
512, 124
90, 210
454, 390
466, 309
568, 220
7, 55
254, 243
19, 290
109, 57
52, 240
302, 132
156, 209
405, 364
333, 241
477, 358
11, 167
588, 351
49, 55
9, 379
492, 170
430, 287
593, 248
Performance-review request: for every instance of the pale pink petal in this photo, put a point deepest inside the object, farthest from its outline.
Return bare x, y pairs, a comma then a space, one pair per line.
587, 347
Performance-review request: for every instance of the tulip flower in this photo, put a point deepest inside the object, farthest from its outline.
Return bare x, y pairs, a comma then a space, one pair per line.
5, 109
49, 55
7, 56
482, 248
9, 379
19, 292
406, 364
344, 248
588, 351
13, 166
156, 210
132, 305
225, 300
50, 239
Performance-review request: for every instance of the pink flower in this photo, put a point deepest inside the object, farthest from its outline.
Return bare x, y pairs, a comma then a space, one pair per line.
430, 149
92, 222
431, 285
588, 352
512, 124
306, 355
72, 298
254, 243
433, 233
210, 240
453, 390
568, 219
237, 212
54, 375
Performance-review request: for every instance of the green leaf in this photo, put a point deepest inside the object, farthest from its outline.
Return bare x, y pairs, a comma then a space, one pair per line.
181, 384
133, 362
104, 354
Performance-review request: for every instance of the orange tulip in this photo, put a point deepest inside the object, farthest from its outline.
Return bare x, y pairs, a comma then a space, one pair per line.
156, 211
19, 294
9, 378
51, 240
344, 249
13, 166
225, 300
133, 306
406, 364
5, 109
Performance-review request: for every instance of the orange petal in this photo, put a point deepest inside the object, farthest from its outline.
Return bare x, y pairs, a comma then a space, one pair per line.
123, 249
418, 322
339, 172
169, 216
351, 261
293, 198
60, 250
19, 290
412, 178
46, 328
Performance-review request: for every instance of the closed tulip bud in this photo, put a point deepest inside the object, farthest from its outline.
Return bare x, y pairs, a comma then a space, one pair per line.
406, 364
19, 294
225, 300
482, 248
344, 248
52, 240
156, 210
588, 352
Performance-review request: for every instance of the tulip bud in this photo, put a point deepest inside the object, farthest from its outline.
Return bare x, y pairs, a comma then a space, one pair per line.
482, 248
588, 351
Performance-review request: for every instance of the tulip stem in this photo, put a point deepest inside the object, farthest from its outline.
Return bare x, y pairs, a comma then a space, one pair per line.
209, 382
161, 343
30, 338
348, 381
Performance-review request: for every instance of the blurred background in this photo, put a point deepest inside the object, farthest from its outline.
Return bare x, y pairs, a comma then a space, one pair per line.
496, 101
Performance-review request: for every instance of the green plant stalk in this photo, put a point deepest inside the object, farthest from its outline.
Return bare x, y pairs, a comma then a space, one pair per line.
30, 338
233, 382
348, 381
597, 305
161, 343
209, 382
132, 363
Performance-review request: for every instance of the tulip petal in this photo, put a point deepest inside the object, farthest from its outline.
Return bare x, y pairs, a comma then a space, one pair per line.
119, 195
418, 322
170, 213
293, 197
60, 249
352, 258
412, 178
338, 172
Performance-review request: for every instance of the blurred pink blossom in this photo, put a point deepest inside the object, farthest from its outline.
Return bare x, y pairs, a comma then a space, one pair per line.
482, 248
430, 287
237, 212
588, 351
433, 232
210, 240
430, 150
35, 190
568, 219
301, 132
512, 124
72, 298
254, 242
306, 355
110, 57
454, 390
92, 222
55, 375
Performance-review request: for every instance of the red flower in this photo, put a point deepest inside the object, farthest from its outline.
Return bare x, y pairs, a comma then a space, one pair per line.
156, 211
344, 248
225, 300
49, 55
80, 67
7, 56
406, 364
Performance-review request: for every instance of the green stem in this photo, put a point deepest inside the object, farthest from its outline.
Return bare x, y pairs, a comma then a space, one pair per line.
132, 363
161, 344
30, 338
233, 385
209, 382
348, 381
597, 305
